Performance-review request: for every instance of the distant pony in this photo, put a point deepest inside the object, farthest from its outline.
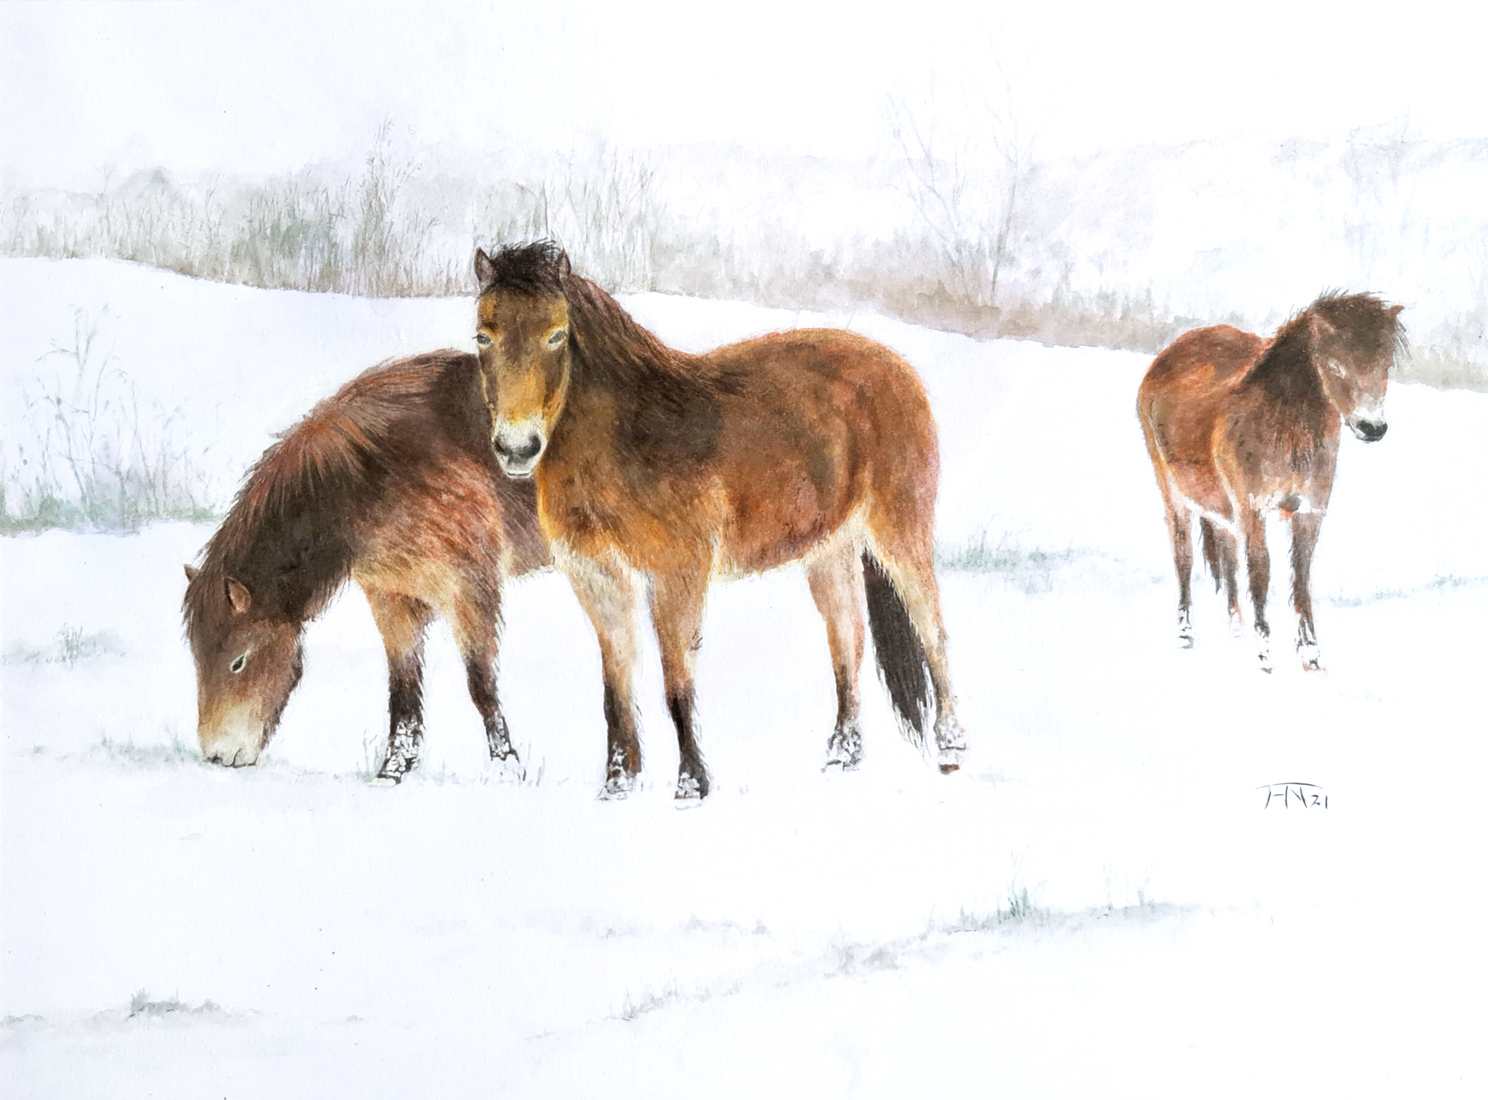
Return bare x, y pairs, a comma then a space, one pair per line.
658, 471
391, 483
1239, 427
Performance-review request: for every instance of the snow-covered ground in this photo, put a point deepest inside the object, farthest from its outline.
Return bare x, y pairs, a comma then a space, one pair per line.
1100, 902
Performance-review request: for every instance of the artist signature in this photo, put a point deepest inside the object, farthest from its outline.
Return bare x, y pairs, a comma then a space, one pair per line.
1305, 795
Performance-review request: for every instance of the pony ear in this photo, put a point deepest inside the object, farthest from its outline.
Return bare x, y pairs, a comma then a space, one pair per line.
485, 270
1394, 311
238, 595
564, 270
1320, 326
191, 572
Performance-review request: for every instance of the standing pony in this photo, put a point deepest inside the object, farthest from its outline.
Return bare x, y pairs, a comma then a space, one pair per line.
390, 483
661, 470
1239, 427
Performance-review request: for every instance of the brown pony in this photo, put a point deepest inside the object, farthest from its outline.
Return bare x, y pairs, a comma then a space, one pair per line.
1239, 427
660, 469
390, 483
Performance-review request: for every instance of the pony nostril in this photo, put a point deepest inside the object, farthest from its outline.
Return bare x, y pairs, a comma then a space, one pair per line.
1372, 431
521, 452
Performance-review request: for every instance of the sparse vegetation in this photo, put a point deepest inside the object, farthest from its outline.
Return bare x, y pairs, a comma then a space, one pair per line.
71, 645
141, 1005
95, 456
174, 751
988, 239
1031, 570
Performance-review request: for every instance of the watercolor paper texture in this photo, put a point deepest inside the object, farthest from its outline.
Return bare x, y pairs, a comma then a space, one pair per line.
1155, 870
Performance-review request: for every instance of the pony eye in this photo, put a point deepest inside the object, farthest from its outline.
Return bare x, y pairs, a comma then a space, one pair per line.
557, 338
482, 340
238, 663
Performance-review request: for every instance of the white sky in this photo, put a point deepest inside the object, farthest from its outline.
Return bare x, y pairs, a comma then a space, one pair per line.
269, 87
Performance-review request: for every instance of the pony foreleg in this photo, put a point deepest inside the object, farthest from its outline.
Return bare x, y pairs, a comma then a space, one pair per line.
836, 581
1305, 529
1258, 566
402, 622
476, 621
607, 592
677, 612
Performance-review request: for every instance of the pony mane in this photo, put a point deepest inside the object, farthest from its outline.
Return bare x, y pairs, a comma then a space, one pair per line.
609, 345
290, 535
1284, 369
1366, 313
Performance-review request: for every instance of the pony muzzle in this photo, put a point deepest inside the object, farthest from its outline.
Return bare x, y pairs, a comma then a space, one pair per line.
518, 447
236, 750
234, 740
1369, 431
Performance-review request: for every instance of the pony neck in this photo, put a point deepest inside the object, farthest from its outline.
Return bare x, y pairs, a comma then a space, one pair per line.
1285, 371
291, 551
613, 351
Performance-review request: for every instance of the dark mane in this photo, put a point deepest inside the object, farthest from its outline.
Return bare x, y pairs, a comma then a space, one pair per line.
1366, 315
609, 346
1284, 370
534, 269
292, 534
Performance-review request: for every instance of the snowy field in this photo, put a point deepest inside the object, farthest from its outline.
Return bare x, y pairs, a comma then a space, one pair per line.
1100, 903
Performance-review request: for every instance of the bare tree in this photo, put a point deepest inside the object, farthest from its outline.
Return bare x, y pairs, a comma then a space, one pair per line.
966, 186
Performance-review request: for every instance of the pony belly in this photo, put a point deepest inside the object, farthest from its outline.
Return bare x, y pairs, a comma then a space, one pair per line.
826, 541
1287, 502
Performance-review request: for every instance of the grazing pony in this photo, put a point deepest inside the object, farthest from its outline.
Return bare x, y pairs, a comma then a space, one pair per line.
1239, 427
390, 483
660, 470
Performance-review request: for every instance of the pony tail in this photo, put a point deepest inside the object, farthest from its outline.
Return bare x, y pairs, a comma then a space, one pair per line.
1211, 551
902, 663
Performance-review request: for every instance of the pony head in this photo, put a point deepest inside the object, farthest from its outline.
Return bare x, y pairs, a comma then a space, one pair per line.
1354, 341
526, 353
248, 660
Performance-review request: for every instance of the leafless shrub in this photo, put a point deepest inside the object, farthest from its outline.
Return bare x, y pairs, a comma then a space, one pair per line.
94, 458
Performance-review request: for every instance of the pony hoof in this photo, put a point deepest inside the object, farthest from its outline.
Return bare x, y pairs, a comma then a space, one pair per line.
617, 788
510, 767
1311, 660
691, 789
948, 759
844, 750
393, 769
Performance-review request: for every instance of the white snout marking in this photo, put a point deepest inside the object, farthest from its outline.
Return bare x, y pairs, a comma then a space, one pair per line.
512, 436
236, 743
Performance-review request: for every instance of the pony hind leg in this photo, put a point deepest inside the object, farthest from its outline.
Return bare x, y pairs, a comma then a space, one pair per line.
1222, 553
901, 592
836, 580
1258, 566
1305, 529
677, 612
402, 622
607, 593
1180, 531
